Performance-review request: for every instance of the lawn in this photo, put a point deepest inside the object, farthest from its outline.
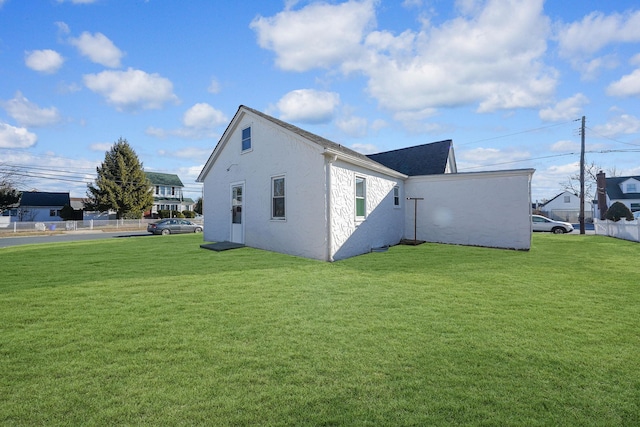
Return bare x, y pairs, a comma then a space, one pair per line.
154, 330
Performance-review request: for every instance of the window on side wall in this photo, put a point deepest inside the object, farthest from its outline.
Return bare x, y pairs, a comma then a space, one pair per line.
246, 139
361, 198
396, 196
277, 198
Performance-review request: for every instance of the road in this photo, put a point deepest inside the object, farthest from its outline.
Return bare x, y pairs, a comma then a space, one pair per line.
6, 242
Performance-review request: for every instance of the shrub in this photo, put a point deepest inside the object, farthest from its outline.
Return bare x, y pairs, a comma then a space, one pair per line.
164, 213
189, 214
618, 211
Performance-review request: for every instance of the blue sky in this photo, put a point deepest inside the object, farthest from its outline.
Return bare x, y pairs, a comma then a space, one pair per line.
506, 80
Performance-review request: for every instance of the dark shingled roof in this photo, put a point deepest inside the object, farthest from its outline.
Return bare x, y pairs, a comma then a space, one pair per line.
615, 192
170, 179
426, 159
44, 199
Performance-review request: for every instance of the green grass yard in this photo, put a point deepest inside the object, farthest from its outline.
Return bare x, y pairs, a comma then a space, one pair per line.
155, 330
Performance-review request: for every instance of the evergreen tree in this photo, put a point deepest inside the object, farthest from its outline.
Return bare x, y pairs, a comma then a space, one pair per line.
121, 184
198, 207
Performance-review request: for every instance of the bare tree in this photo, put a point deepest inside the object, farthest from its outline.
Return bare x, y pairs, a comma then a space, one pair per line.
9, 180
590, 172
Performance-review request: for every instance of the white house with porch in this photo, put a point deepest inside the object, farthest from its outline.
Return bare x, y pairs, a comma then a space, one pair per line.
271, 185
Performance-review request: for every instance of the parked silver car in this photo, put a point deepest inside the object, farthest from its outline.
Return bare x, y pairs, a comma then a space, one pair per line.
174, 226
542, 223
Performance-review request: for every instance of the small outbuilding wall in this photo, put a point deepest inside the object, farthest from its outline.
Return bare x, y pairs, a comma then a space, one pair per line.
491, 209
383, 222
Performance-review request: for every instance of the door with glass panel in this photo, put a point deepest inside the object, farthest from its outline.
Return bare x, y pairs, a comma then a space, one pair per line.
237, 213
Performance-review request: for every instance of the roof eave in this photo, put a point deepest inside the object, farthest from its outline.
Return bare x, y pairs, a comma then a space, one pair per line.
369, 164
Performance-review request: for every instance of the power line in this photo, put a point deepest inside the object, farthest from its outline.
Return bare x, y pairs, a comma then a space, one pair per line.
516, 133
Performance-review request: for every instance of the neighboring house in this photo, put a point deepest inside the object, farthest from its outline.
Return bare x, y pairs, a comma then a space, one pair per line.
623, 189
271, 185
566, 207
167, 193
40, 206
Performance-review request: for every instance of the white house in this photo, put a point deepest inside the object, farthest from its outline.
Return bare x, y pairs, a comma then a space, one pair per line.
271, 185
41, 206
623, 189
566, 207
167, 193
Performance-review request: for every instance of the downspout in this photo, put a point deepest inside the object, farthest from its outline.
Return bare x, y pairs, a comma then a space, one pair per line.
329, 159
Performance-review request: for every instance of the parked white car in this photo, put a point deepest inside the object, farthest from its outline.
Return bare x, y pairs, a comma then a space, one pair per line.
542, 223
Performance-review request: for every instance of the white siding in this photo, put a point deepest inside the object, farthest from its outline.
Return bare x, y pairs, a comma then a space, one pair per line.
275, 152
383, 225
489, 209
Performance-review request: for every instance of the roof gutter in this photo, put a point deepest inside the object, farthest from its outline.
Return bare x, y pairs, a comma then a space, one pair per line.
365, 163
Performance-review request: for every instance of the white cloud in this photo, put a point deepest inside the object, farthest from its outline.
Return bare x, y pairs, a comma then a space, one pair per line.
193, 153
63, 28
353, 126
132, 89
203, 116
318, 35
45, 61
597, 30
565, 145
101, 146
567, 109
98, 48
199, 122
489, 157
628, 85
14, 137
579, 41
28, 114
308, 106
214, 86
623, 124
491, 56
365, 148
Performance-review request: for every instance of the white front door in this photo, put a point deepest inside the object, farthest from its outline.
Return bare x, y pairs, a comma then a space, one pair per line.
237, 213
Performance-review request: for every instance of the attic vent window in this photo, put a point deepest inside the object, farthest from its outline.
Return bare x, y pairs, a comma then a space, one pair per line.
631, 188
246, 139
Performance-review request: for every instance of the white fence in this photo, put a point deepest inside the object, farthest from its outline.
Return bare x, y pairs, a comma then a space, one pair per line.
627, 230
77, 226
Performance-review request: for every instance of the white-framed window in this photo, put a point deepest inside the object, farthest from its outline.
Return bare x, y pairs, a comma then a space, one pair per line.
361, 198
278, 198
567, 199
246, 139
396, 196
631, 188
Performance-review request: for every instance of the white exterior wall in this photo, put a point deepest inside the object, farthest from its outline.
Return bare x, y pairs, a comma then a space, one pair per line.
490, 209
275, 152
383, 224
38, 213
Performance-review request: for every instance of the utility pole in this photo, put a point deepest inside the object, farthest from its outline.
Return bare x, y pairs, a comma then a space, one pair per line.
581, 215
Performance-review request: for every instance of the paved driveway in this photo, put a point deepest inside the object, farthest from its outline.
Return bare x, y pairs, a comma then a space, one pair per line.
68, 237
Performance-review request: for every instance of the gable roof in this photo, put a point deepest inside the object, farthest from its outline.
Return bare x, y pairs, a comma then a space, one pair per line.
44, 199
323, 142
564, 193
329, 146
425, 159
158, 178
615, 192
